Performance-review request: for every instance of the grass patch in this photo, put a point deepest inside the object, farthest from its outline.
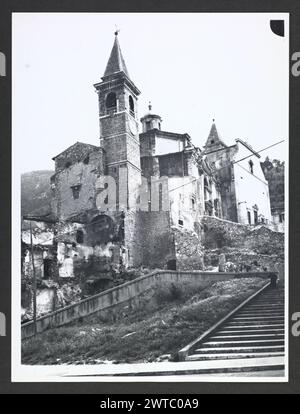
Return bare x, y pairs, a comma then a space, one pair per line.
168, 318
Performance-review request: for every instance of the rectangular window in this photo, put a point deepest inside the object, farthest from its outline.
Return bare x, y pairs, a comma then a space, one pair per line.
249, 217
193, 200
281, 218
251, 166
47, 267
255, 217
180, 222
76, 191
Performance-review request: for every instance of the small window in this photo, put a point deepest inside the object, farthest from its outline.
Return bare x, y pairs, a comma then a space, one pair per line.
180, 222
86, 160
79, 236
281, 218
148, 126
255, 217
193, 203
159, 126
251, 165
68, 164
76, 191
111, 100
160, 202
131, 105
212, 141
47, 268
249, 217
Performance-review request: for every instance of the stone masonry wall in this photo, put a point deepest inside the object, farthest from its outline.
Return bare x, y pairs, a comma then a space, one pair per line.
248, 248
188, 249
221, 233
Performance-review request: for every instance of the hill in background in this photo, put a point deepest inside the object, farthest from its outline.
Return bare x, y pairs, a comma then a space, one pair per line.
35, 191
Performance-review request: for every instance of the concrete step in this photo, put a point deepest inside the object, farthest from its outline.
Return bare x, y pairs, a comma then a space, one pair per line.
241, 343
199, 357
246, 337
267, 310
258, 319
228, 332
242, 326
240, 349
260, 315
240, 367
264, 305
269, 303
249, 324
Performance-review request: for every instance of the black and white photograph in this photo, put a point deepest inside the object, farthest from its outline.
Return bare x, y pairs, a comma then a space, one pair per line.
150, 197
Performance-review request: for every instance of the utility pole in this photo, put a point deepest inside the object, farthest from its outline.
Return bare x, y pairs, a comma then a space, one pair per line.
34, 281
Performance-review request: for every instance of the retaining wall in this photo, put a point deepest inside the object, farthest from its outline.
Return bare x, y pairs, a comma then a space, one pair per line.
112, 299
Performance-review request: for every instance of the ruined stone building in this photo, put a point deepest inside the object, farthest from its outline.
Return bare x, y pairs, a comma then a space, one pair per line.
164, 185
244, 189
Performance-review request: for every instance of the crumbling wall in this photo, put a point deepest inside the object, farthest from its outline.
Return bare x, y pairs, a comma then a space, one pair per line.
248, 248
219, 233
188, 249
74, 188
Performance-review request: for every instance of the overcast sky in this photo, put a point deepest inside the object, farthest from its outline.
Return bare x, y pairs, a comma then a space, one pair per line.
192, 67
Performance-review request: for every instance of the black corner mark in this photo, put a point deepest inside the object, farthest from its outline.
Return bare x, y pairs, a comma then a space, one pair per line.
277, 27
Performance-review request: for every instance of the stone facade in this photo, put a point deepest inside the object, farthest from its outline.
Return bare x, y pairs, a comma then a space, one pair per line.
244, 188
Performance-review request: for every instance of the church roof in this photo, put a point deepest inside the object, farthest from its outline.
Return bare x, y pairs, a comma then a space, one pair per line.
81, 145
214, 141
116, 62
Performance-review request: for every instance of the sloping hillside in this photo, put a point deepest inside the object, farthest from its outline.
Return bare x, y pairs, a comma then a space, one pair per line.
168, 317
35, 191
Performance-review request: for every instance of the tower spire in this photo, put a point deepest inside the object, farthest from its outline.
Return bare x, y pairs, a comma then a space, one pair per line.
214, 140
116, 62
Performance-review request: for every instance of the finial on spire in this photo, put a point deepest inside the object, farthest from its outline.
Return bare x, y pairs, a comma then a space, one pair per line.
150, 106
214, 120
117, 30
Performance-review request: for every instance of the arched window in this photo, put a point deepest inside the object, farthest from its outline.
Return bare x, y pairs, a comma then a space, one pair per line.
131, 104
111, 100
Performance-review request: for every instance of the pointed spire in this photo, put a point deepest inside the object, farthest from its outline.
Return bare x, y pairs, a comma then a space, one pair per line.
116, 62
214, 141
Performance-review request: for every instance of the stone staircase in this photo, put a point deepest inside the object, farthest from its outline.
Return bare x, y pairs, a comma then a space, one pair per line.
255, 332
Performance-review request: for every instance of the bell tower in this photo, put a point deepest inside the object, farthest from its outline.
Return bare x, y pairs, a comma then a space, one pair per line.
119, 134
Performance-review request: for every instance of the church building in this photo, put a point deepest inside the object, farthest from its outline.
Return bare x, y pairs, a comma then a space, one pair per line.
159, 184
